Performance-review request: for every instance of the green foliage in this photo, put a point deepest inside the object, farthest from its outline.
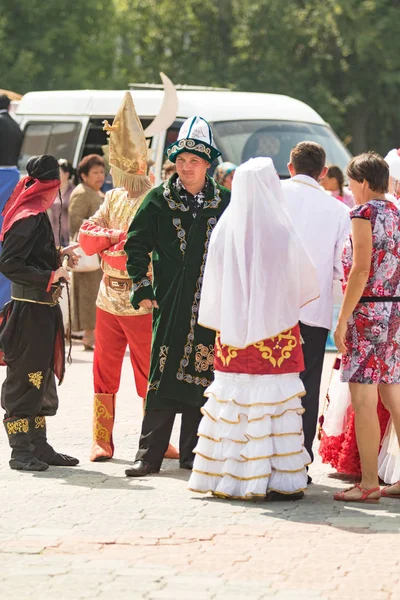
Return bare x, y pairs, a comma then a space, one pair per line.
339, 56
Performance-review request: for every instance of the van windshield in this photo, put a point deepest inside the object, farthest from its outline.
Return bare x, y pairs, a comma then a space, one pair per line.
241, 140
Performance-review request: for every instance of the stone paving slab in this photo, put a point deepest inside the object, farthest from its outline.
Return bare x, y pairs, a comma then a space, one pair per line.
91, 533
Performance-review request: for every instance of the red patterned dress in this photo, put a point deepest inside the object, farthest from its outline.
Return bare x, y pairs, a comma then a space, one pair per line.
250, 437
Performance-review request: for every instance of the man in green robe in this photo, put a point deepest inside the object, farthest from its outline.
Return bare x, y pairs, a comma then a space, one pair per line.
174, 224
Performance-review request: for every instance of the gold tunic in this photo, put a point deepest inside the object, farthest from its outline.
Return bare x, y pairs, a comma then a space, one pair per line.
116, 212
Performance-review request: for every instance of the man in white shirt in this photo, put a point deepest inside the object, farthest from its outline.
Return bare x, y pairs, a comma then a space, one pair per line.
323, 225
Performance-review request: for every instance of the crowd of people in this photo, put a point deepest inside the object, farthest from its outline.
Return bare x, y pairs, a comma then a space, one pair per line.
222, 288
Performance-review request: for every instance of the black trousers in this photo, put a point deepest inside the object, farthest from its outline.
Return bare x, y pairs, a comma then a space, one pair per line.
27, 336
314, 352
156, 432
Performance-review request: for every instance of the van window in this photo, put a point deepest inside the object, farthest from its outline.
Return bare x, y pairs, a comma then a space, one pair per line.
57, 139
241, 140
172, 133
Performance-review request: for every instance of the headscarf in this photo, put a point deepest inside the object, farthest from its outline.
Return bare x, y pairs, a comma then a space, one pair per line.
33, 194
258, 274
222, 171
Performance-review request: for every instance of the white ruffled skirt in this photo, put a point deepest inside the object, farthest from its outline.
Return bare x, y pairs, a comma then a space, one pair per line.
251, 437
389, 457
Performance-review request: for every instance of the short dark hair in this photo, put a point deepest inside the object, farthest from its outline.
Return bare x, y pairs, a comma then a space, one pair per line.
88, 162
371, 167
4, 102
308, 158
336, 172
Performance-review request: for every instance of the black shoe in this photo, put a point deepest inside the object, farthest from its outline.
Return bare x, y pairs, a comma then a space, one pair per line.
141, 468
22, 459
28, 464
279, 497
309, 480
186, 464
42, 450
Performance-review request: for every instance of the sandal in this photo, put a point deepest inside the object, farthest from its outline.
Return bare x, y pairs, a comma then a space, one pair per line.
386, 494
340, 496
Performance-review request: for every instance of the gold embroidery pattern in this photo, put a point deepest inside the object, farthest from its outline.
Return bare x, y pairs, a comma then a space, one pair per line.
232, 353
181, 374
163, 357
40, 422
100, 411
286, 351
145, 282
36, 379
181, 234
204, 358
153, 387
20, 426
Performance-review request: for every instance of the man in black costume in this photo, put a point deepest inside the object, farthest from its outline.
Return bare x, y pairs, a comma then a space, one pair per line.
31, 334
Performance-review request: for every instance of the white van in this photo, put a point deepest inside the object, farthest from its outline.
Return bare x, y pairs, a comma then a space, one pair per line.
68, 124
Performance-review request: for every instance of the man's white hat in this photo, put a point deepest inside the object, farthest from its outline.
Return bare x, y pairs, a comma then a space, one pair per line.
393, 160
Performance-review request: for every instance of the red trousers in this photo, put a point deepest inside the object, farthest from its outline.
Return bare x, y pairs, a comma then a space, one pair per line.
113, 334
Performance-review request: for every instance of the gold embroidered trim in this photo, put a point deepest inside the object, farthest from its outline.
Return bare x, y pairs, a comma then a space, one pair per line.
171, 203
249, 437
34, 301
230, 475
145, 282
184, 362
208, 394
286, 493
204, 358
153, 387
100, 432
289, 471
232, 353
36, 379
250, 496
163, 357
40, 422
181, 234
286, 351
19, 426
245, 458
299, 411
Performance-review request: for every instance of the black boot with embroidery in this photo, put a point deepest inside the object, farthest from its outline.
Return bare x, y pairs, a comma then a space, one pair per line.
18, 433
42, 450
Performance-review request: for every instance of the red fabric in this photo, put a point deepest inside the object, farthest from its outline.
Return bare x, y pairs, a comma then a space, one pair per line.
25, 202
278, 355
113, 334
50, 281
97, 240
341, 451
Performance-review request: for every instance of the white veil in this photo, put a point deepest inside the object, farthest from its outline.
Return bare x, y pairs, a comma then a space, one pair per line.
257, 273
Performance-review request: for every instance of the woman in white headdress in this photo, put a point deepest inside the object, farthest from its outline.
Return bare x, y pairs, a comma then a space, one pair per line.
257, 277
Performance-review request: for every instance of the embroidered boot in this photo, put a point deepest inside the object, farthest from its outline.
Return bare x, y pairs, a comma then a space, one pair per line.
22, 458
42, 450
103, 424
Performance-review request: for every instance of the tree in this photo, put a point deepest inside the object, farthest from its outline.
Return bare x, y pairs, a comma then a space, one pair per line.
56, 45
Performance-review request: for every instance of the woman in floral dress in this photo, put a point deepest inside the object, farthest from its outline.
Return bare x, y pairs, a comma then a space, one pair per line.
368, 329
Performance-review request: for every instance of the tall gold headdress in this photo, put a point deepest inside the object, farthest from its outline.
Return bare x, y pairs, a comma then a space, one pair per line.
128, 148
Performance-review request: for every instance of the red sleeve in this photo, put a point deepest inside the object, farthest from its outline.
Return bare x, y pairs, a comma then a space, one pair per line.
362, 211
115, 255
94, 239
50, 281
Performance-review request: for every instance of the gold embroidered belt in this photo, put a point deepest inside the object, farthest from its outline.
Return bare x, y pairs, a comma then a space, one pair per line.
118, 284
26, 293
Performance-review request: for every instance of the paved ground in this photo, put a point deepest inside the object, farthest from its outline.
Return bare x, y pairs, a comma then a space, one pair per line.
89, 532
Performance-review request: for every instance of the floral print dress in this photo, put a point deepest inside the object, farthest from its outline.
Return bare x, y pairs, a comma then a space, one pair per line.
373, 332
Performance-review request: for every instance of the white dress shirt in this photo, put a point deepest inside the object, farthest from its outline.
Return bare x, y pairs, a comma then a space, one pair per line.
323, 224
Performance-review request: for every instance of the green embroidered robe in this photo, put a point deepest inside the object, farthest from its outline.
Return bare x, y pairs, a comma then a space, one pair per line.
182, 351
